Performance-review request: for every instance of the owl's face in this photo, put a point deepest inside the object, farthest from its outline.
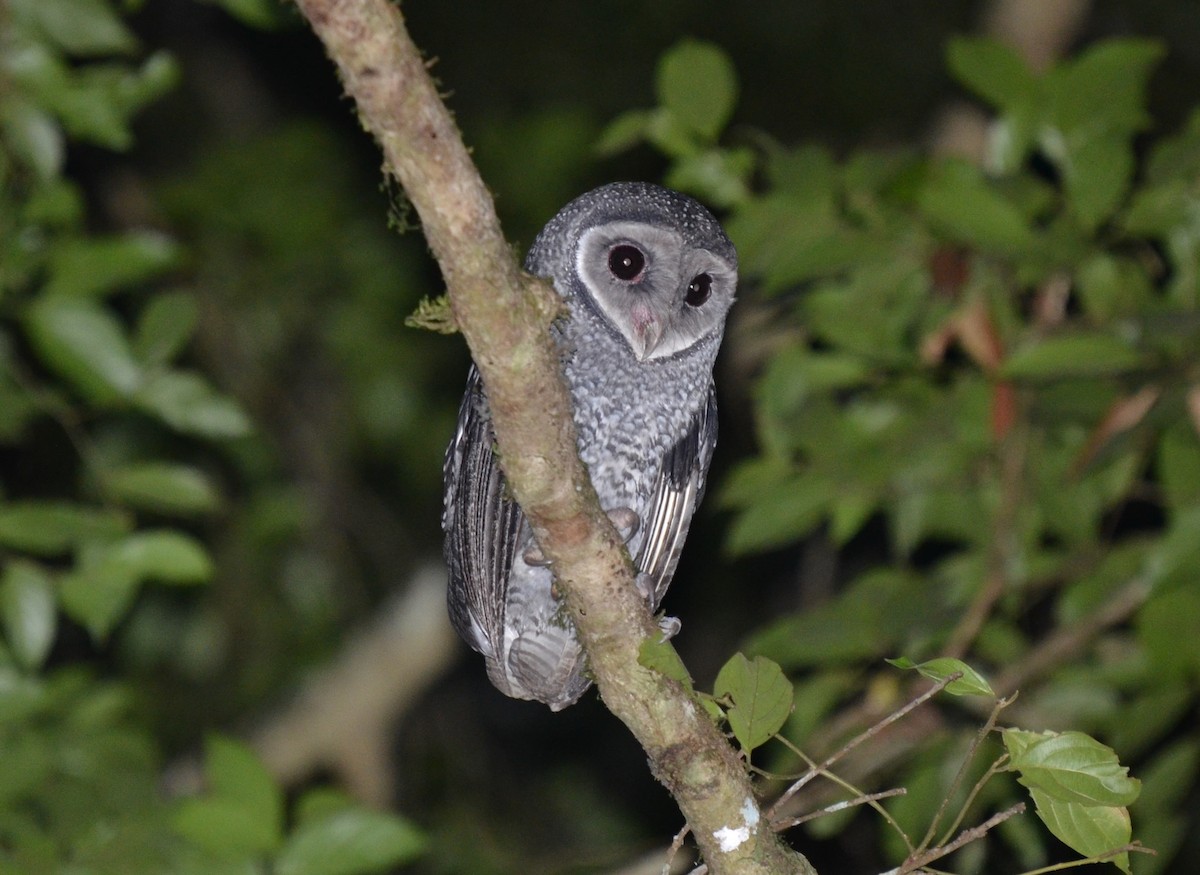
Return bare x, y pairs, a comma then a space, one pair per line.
655, 288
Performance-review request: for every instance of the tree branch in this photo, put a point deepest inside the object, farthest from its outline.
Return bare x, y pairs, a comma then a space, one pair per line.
504, 316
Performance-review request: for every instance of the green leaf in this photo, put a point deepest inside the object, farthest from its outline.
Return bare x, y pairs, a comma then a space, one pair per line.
719, 176
1070, 767
81, 27
164, 328
235, 773
34, 137
1174, 553
224, 827
697, 84
992, 70
1103, 88
51, 528
1169, 778
28, 612
1090, 830
20, 696
86, 345
162, 487
1112, 287
262, 14
1071, 355
762, 698
1179, 467
57, 204
795, 374
658, 655
163, 555
783, 513
322, 802
1159, 210
97, 596
972, 683
864, 622
186, 402
625, 131
966, 208
100, 590
242, 814
96, 102
94, 266
1097, 173
350, 842
667, 134
1169, 618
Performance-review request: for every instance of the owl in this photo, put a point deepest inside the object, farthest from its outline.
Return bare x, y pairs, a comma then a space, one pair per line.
647, 276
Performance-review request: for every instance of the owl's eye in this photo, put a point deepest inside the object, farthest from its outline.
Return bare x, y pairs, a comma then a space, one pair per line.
698, 290
626, 262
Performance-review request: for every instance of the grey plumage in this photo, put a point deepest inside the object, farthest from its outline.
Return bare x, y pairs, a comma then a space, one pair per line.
647, 275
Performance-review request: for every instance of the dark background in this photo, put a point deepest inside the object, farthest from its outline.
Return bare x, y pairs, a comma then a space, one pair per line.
257, 164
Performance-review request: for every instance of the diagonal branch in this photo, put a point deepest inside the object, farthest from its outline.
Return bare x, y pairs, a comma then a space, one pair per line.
504, 316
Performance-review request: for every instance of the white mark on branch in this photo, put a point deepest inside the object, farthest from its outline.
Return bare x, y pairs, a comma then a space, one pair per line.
731, 838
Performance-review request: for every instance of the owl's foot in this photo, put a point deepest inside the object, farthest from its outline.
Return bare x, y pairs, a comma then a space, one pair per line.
669, 626
626, 521
534, 557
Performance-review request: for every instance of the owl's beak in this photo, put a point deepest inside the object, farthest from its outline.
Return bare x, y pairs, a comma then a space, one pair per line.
648, 329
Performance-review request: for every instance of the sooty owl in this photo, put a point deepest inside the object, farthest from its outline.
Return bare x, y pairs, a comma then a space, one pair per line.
647, 276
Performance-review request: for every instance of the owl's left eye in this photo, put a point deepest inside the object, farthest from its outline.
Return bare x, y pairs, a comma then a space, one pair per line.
698, 290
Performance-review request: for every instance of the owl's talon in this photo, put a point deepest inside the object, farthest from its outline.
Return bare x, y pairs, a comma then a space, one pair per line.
533, 556
626, 521
669, 626
642, 583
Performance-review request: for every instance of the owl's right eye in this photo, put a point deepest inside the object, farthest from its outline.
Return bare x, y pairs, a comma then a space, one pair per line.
626, 262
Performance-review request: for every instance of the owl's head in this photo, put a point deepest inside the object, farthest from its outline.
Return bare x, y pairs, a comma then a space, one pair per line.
653, 264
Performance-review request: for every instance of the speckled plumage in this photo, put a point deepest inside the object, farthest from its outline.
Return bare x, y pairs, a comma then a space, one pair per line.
638, 355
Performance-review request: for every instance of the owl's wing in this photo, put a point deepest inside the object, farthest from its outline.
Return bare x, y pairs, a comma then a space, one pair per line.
677, 492
482, 525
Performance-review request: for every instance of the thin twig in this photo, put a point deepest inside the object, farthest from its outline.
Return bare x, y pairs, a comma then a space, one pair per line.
780, 826
994, 769
676, 845
964, 838
859, 739
1000, 547
961, 775
839, 806
1132, 847
1066, 641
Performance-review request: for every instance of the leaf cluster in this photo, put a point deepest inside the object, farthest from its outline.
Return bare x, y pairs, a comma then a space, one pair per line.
96, 337
994, 364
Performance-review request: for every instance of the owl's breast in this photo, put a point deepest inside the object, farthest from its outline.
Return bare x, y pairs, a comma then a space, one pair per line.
628, 414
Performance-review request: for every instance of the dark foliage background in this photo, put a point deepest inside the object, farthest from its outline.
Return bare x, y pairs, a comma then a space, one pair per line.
312, 497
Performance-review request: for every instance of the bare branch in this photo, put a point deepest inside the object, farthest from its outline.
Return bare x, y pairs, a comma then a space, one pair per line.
859, 739
965, 837
1132, 847
1066, 641
504, 316
413, 638
983, 733
865, 799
